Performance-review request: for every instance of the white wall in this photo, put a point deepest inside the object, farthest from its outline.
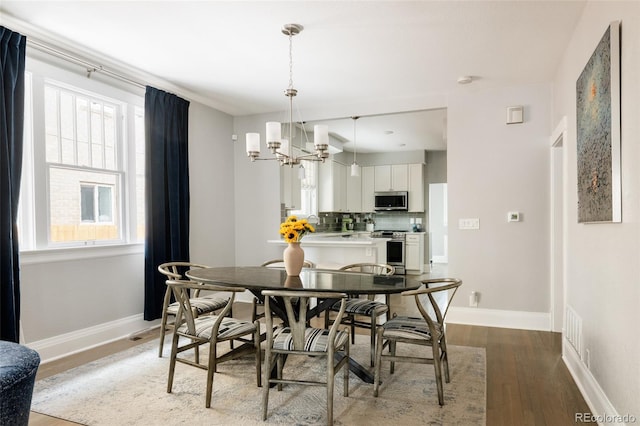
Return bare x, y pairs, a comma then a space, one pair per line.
603, 264
61, 299
257, 203
212, 231
494, 168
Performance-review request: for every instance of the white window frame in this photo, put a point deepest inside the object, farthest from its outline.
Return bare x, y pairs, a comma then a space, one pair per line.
95, 190
34, 202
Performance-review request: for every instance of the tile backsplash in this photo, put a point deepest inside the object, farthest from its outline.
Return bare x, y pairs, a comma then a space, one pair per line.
396, 221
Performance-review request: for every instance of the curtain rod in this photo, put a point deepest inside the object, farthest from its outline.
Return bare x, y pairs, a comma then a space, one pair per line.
91, 68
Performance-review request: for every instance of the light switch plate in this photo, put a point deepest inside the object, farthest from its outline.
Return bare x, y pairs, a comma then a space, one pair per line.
513, 216
471, 223
515, 114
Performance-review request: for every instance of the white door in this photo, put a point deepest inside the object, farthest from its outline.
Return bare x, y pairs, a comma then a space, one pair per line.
558, 218
438, 226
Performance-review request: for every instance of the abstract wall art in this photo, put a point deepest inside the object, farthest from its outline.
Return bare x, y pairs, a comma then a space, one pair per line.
598, 132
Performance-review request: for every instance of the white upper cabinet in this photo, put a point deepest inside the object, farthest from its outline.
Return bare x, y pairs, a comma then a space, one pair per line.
332, 191
368, 188
416, 188
338, 191
392, 178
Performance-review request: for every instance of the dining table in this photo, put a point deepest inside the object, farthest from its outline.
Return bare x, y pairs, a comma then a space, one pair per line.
256, 279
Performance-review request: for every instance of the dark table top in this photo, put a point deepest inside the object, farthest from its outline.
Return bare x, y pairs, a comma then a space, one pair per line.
262, 278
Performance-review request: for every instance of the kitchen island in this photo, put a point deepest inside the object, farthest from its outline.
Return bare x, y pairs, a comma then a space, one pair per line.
331, 250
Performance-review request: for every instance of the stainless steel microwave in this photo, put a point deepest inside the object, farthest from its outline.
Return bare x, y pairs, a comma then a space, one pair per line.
391, 200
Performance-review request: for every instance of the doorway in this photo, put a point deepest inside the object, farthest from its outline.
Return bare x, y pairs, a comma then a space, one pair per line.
438, 226
558, 227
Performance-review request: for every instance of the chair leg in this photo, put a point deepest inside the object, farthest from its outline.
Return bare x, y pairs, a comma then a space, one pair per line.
211, 368
253, 309
279, 365
438, 372
172, 361
163, 328
372, 349
379, 347
256, 342
230, 315
330, 383
266, 371
445, 358
392, 351
345, 372
352, 318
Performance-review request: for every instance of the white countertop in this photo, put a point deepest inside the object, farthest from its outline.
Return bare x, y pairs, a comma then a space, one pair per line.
337, 239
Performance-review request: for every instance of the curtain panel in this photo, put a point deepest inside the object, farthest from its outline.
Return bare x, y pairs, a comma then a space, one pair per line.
166, 191
12, 65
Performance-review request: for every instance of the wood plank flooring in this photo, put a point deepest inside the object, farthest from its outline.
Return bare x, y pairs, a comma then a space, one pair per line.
527, 382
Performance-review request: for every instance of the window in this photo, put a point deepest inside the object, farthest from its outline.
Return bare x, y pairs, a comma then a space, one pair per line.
83, 174
308, 188
96, 203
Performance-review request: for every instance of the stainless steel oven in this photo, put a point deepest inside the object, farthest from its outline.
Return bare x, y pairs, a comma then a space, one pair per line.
395, 249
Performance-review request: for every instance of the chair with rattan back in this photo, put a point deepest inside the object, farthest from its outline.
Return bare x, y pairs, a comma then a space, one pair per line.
192, 331
367, 307
295, 337
432, 300
202, 305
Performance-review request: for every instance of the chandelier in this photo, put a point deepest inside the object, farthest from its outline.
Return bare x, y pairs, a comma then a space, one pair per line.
282, 147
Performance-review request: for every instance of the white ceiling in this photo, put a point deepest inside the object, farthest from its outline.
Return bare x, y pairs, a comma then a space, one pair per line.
352, 58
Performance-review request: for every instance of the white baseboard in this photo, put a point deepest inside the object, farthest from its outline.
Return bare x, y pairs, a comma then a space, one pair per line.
602, 411
500, 318
87, 338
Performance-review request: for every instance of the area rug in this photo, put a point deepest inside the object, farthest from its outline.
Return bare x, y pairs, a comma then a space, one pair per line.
129, 388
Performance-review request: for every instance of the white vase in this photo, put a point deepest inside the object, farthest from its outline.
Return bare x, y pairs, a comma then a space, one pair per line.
293, 257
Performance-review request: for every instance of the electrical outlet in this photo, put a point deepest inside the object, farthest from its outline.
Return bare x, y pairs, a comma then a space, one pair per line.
473, 299
587, 358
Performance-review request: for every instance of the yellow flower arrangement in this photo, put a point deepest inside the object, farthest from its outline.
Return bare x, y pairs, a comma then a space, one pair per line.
293, 229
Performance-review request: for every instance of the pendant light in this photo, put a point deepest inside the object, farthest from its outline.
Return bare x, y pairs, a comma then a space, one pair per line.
355, 168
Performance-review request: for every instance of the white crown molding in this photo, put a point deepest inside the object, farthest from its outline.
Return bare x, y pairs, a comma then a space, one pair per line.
135, 74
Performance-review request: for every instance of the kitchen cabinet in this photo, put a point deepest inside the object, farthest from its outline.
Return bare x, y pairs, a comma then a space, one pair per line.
416, 187
338, 191
393, 177
332, 191
414, 252
368, 188
354, 191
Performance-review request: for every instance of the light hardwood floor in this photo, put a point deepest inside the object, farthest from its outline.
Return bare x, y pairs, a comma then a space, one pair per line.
527, 382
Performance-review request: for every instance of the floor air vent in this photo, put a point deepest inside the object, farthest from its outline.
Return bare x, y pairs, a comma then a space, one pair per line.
573, 330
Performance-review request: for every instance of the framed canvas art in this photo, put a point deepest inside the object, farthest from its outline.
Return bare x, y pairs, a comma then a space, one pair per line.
598, 132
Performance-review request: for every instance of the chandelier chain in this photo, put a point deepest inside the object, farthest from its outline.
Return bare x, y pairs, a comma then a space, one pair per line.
290, 61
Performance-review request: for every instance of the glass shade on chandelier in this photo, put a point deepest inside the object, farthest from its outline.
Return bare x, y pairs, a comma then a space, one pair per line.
281, 148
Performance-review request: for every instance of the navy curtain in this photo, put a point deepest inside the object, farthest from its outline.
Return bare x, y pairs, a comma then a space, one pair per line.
167, 191
12, 57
